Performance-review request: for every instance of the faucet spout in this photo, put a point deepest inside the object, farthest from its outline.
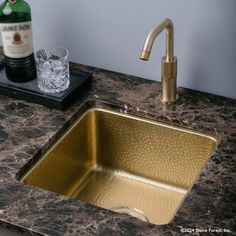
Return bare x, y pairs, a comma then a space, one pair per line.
165, 24
169, 61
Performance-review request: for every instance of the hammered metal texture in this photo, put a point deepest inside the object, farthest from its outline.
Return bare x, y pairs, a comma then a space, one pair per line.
124, 164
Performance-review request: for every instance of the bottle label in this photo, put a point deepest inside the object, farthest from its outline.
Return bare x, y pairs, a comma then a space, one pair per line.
17, 39
12, 1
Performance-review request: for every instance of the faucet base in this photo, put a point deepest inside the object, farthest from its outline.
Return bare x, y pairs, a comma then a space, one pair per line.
163, 100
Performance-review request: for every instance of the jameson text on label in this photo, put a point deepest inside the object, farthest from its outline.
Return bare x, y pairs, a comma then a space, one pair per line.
17, 39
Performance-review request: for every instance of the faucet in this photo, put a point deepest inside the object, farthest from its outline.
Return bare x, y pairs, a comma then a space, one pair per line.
169, 61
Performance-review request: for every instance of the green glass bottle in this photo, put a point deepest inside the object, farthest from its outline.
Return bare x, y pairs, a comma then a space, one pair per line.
16, 31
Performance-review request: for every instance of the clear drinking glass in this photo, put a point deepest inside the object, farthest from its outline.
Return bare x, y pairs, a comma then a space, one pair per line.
52, 69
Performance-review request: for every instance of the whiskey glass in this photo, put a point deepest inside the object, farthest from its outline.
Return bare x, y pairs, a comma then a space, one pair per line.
52, 69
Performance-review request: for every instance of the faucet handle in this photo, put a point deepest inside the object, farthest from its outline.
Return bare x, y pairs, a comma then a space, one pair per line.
168, 80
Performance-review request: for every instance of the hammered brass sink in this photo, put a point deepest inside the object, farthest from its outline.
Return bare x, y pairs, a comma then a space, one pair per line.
125, 164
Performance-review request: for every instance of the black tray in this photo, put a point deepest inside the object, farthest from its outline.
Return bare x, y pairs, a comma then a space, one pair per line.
29, 91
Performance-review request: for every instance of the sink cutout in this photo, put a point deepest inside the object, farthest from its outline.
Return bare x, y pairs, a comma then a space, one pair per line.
125, 164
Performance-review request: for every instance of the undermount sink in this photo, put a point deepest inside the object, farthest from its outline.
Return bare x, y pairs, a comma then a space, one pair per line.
125, 164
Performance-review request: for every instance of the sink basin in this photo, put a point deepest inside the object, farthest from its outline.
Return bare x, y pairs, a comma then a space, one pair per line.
125, 164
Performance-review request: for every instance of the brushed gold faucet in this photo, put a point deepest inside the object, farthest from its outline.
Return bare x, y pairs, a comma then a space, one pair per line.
169, 61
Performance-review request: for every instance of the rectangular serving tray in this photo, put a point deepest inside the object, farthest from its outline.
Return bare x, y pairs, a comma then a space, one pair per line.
29, 91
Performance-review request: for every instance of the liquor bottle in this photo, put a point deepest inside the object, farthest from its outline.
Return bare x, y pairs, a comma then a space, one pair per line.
16, 31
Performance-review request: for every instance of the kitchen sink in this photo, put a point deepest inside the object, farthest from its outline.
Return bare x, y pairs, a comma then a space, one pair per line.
125, 164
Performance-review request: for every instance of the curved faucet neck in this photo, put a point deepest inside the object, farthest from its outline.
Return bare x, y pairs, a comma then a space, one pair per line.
165, 24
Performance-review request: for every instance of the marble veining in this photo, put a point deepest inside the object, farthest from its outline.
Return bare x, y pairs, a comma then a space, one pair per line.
27, 130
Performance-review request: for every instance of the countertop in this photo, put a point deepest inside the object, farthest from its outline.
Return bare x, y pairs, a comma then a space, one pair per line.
27, 129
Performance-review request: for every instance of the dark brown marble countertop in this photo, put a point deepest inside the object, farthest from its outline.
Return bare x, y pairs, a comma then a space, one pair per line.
26, 129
